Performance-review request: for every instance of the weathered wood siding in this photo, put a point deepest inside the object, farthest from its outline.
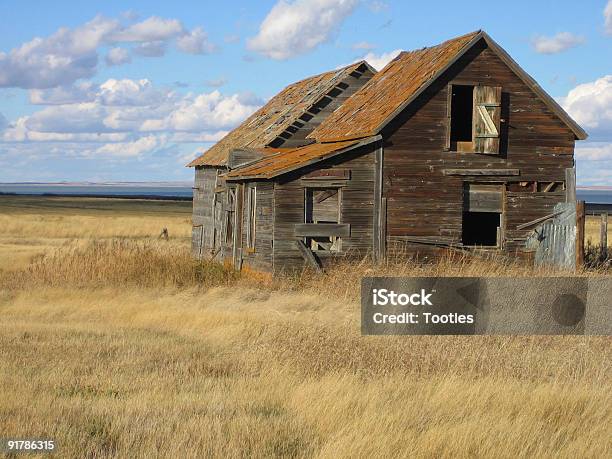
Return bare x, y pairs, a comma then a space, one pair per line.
422, 202
260, 259
356, 209
205, 217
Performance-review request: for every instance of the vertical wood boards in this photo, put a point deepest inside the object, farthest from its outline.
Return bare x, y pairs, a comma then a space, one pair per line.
206, 213
259, 258
378, 239
422, 202
486, 119
356, 209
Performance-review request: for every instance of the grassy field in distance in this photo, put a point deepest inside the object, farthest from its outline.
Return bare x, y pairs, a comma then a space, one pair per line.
117, 344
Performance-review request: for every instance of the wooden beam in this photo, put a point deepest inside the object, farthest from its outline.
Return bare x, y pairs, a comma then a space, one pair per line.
580, 220
323, 195
539, 220
496, 172
322, 229
308, 256
328, 174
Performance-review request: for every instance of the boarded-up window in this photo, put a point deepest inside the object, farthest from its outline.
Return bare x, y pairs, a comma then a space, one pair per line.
322, 205
251, 216
487, 116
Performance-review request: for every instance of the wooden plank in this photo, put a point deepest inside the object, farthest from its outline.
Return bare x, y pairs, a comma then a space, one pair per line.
580, 221
322, 229
483, 198
378, 191
486, 118
328, 174
539, 220
323, 195
308, 255
496, 172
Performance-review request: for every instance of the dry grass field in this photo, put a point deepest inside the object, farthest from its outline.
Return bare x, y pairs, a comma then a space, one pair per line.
117, 344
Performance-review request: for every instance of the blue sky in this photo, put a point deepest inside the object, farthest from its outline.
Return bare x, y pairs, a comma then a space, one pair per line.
130, 91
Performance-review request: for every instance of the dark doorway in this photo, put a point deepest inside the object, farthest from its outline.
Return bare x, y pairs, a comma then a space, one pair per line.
481, 228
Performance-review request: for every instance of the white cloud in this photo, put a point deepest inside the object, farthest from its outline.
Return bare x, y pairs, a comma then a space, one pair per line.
132, 92
65, 56
195, 42
594, 151
594, 163
124, 118
590, 104
117, 56
379, 61
71, 54
291, 29
78, 92
137, 147
151, 29
212, 110
557, 44
608, 17
151, 49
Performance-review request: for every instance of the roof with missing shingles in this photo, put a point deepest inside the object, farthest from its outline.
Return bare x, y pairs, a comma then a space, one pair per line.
267, 123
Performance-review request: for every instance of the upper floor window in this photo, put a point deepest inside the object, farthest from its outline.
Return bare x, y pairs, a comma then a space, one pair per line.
474, 116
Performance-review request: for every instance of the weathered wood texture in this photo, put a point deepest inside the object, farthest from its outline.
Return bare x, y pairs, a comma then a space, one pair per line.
423, 202
207, 213
356, 210
260, 259
322, 109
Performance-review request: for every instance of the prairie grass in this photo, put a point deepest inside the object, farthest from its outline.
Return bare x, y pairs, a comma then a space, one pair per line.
126, 347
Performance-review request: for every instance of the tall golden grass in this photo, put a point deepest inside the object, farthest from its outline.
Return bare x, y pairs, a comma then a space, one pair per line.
130, 348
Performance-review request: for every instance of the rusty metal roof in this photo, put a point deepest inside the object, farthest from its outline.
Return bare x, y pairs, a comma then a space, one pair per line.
279, 161
267, 123
392, 89
365, 111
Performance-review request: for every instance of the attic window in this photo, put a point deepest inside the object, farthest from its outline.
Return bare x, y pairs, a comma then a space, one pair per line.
473, 117
462, 100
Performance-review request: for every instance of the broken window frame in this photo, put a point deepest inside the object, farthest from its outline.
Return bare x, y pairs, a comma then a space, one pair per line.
472, 208
322, 244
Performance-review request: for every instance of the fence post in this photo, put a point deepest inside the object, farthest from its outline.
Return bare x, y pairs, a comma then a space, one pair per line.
603, 236
580, 218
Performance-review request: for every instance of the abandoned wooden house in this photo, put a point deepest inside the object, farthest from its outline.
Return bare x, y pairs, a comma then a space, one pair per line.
448, 146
